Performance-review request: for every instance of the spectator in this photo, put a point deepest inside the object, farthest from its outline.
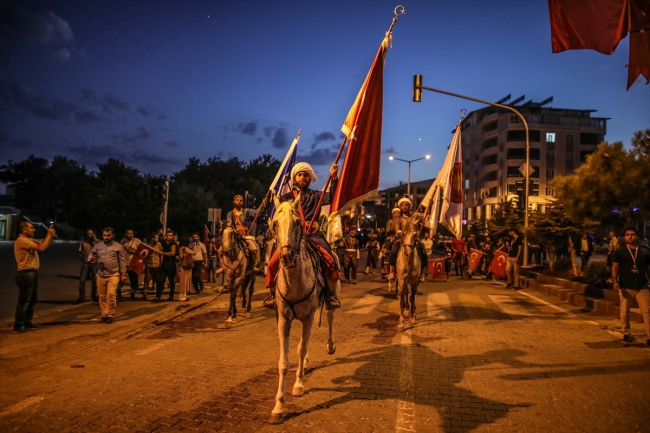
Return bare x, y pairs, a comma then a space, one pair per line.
213, 259
186, 255
200, 259
584, 248
630, 266
458, 245
514, 255
488, 256
27, 261
111, 269
167, 266
153, 267
613, 246
470, 245
130, 244
373, 254
87, 267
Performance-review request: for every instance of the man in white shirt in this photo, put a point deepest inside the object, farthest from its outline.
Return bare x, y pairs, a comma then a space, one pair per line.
130, 244
200, 259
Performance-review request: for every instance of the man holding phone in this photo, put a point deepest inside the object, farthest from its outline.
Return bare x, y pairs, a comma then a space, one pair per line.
111, 261
26, 254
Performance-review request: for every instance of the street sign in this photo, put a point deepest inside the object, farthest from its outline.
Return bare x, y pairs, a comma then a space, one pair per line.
522, 169
214, 214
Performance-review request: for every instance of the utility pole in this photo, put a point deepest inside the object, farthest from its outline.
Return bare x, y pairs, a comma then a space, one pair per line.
164, 216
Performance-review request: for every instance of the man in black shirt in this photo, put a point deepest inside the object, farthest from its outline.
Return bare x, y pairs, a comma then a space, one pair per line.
630, 267
168, 266
512, 264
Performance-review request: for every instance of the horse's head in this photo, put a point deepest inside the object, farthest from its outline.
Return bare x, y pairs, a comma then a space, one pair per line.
228, 240
409, 236
286, 226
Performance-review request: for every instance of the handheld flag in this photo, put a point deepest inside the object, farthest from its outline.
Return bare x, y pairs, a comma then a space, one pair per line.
437, 269
452, 193
280, 184
475, 257
359, 178
206, 234
498, 265
138, 258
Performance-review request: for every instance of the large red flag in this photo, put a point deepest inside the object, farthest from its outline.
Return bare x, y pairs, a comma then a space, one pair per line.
359, 178
437, 269
139, 256
498, 265
474, 259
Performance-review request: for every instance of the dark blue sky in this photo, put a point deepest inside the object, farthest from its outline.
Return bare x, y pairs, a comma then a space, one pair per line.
157, 82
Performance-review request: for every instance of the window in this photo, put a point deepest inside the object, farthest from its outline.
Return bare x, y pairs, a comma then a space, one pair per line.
466, 183
513, 171
520, 153
492, 142
550, 156
549, 191
569, 157
492, 159
550, 137
521, 135
568, 139
490, 177
512, 188
550, 174
590, 138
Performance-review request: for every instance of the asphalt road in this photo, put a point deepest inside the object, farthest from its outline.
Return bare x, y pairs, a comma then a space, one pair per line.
480, 358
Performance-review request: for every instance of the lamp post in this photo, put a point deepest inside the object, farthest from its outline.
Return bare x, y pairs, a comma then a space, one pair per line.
417, 97
408, 186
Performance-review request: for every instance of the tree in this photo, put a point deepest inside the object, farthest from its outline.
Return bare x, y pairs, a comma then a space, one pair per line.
506, 217
188, 208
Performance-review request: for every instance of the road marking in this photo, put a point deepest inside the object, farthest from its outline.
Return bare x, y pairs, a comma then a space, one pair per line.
475, 307
365, 305
405, 421
555, 307
511, 307
154, 347
22, 405
437, 304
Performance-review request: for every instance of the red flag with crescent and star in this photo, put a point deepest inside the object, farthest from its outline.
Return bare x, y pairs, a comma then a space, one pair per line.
139, 257
474, 259
498, 265
437, 269
359, 177
451, 215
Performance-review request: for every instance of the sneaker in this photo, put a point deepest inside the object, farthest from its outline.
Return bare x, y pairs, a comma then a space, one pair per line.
156, 300
79, 301
171, 298
628, 338
269, 302
133, 296
20, 329
354, 281
103, 319
31, 327
109, 320
509, 285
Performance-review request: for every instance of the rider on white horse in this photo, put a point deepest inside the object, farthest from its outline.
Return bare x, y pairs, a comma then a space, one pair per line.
404, 205
302, 175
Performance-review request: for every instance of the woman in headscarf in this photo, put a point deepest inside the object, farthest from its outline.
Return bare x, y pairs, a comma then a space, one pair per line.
302, 175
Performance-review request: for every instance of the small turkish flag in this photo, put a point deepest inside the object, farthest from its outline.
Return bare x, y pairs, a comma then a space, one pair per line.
437, 269
139, 256
498, 265
474, 259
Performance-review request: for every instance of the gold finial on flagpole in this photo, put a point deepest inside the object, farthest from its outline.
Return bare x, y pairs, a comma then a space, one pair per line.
399, 10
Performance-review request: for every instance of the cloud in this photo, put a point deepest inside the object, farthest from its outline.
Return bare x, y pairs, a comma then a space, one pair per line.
322, 137
94, 154
390, 151
132, 139
249, 128
62, 55
163, 116
320, 156
268, 131
147, 109
172, 143
15, 142
280, 138
24, 26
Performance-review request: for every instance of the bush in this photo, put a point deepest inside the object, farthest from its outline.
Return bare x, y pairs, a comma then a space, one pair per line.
563, 264
596, 272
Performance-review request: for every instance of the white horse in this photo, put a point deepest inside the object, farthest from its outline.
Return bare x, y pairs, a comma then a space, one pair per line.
299, 285
408, 272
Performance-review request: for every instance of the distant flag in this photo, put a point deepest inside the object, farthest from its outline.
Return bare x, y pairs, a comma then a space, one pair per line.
136, 264
498, 265
451, 214
359, 177
474, 259
280, 184
334, 229
600, 25
206, 234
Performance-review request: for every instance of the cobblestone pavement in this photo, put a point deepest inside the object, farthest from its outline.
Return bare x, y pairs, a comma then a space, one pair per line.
480, 358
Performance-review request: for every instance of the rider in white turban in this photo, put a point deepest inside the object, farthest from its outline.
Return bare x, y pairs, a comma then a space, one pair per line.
302, 166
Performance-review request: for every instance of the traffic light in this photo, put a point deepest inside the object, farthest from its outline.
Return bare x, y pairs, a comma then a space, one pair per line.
249, 199
534, 189
521, 194
417, 88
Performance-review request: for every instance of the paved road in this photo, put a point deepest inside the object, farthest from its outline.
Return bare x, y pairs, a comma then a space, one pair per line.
480, 358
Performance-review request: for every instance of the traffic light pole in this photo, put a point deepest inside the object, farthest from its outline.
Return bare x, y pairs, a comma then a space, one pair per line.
417, 97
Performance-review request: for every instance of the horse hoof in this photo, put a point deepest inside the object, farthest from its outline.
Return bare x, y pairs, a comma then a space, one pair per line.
400, 327
229, 319
297, 392
234, 320
331, 349
276, 418
247, 315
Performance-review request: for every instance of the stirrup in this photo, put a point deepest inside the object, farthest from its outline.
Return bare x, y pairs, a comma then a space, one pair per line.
269, 302
391, 277
332, 303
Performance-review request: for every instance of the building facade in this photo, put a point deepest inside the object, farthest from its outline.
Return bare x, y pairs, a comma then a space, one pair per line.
494, 150
390, 196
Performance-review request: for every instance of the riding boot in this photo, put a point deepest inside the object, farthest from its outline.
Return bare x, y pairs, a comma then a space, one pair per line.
391, 275
269, 302
256, 260
331, 300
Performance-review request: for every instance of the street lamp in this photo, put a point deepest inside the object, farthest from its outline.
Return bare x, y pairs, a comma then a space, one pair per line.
408, 187
417, 97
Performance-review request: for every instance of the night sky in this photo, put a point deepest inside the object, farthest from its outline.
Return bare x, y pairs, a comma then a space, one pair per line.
154, 83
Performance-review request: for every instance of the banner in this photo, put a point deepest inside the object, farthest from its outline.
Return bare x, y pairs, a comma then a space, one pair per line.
280, 184
437, 269
475, 257
451, 215
498, 265
206, 234
139, 257
359, 177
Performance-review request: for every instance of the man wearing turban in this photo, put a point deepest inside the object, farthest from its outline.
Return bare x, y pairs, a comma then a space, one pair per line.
404, 205
302, 175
